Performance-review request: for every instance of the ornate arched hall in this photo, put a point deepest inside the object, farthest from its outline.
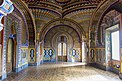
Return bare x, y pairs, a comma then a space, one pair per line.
61, 40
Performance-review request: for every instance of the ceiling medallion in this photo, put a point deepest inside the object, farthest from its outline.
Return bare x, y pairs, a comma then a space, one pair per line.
62, 1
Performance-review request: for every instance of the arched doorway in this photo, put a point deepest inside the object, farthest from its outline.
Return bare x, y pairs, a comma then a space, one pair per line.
62, 49
11, 50
62, 40
10, 57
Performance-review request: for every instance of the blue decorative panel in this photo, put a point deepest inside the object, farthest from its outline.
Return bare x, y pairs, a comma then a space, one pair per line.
7, 6
24, 52
92, 53
74, 55
32, 56
49, 55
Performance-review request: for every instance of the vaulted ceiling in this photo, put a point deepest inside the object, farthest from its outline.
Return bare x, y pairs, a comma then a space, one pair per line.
77, 10
41, 12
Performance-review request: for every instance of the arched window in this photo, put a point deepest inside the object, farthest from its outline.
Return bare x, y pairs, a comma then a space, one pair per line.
62, 48
59, 49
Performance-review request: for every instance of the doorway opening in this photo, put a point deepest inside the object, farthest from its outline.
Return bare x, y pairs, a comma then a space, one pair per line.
10, 57
62, 49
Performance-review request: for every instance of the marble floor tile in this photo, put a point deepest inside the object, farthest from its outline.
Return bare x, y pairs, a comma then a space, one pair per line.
63, 72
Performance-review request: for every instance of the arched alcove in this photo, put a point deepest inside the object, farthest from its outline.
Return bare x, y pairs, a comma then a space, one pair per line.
11, 50
70, 41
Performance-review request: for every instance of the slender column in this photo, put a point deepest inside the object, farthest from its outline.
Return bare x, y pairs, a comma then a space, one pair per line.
120, 74
62, 51
39, 52
0, 60
84, 52
41, 46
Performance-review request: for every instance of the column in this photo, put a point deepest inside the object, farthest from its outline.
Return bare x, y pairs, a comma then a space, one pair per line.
84, 48
39, 52
120, 73
41, 44
37, 46
0, 60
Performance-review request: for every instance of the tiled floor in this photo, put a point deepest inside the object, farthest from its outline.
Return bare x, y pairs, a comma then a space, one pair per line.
63, 72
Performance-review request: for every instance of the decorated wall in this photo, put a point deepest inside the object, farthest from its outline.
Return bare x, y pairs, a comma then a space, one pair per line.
24, 55
49, 55
32, 56
14, 24
103, 54
51, 41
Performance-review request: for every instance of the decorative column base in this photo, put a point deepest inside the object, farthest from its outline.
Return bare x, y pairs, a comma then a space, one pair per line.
120, 75
34, 64
20, 68
3, 77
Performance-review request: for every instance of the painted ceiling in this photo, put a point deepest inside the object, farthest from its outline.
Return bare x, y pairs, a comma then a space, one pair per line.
78, 10
44, 11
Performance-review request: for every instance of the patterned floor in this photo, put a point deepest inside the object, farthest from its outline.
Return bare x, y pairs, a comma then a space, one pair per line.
63, 72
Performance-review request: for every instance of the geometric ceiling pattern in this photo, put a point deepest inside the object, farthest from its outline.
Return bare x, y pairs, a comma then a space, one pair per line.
80, 11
